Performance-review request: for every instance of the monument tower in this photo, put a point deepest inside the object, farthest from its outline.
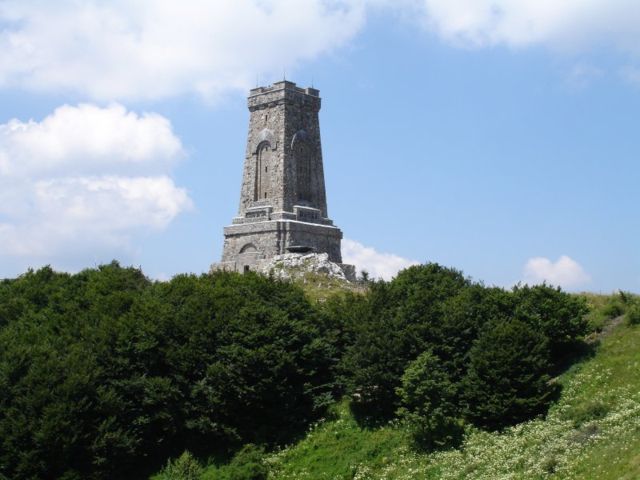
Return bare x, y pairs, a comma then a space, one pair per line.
283, 205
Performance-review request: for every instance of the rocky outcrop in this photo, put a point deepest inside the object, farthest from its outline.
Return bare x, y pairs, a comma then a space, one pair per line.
297, 265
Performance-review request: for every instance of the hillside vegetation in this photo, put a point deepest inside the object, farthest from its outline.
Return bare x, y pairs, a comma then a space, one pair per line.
105, 374
592, 432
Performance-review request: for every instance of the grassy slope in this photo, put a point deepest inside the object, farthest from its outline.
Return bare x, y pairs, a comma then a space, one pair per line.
592, 432
319, 287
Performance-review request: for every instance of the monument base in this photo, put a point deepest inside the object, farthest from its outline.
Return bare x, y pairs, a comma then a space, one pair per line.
246, 245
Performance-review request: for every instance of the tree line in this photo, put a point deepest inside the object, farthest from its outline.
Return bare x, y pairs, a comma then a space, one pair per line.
106, 374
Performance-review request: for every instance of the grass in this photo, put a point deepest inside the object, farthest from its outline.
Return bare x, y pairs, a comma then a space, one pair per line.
592, 432
603, 308
319, 287
612, 379
338, 449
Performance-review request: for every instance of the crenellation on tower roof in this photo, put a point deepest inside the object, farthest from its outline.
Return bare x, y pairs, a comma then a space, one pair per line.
284, 85
283, 92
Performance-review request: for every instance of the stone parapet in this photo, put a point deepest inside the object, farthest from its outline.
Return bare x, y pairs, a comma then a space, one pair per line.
283, 92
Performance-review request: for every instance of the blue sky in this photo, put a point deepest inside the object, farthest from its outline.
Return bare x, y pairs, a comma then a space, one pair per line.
497, 137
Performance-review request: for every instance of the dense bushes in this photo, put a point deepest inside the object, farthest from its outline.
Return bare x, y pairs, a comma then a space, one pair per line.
558, 316
104, 374
490, 351
399, 321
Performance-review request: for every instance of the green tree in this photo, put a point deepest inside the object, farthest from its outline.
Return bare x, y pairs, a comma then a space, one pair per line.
104, 374
560, 316
464, 316
429, 403
507, 381
402, 319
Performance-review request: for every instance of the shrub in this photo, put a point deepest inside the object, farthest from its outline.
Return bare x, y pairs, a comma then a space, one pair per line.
596, 320
464, 316
247, 464
632, 317
617, 305
614, 307
428, 403
550, 464
587, 412
185, 467
554, 313
507, 381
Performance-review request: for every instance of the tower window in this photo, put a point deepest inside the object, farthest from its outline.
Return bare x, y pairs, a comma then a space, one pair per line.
262, 167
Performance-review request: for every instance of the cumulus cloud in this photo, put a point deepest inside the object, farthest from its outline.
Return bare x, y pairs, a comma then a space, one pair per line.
565, 272
150, 49
378, 265
87, 138
516, 23
85, 179
124, 49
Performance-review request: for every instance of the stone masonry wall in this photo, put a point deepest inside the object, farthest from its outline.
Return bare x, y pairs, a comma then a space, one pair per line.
278, 113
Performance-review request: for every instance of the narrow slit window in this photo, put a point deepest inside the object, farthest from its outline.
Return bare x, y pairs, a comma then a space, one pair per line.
262, 184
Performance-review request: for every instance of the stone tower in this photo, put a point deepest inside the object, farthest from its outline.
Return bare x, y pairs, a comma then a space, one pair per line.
283, 205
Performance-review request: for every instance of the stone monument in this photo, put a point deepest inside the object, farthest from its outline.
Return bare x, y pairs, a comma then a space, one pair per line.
283, 204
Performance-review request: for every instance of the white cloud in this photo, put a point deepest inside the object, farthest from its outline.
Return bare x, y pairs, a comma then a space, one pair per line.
132, 49
85, 179
565, 272
87, 138
517, 23
150, 49
378, 265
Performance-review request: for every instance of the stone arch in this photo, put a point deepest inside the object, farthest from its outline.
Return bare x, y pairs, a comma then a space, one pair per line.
248, 248
265, 135
263, 167
299, 136
247, 258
